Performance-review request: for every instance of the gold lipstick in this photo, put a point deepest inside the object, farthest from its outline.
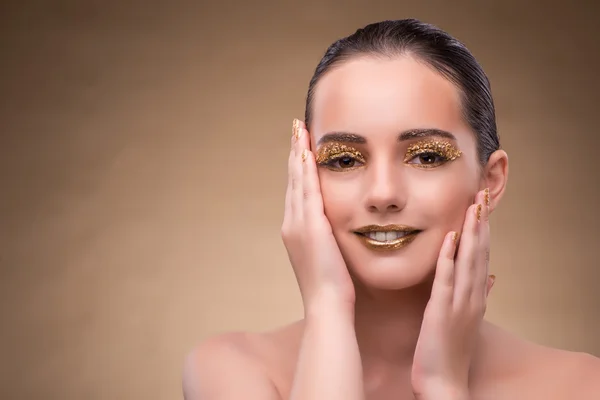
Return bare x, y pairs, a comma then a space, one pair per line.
386, 237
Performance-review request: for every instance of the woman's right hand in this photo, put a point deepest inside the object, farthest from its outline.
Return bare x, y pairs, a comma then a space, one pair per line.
320, 269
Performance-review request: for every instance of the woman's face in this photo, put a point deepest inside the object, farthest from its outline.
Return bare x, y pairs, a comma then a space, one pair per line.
393, 149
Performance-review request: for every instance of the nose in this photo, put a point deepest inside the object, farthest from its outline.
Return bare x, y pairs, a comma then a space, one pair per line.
385, 192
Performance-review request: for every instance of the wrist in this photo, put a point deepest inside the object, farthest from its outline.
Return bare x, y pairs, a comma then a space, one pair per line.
327, 305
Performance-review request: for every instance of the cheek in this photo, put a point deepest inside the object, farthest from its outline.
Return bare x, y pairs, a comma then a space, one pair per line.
443, 199
432, 199
340, 198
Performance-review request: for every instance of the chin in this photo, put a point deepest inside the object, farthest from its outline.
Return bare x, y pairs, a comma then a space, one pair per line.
399, 269
389, 274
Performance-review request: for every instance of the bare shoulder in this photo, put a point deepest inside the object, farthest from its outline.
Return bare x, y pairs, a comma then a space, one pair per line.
580, 373
245, 365
224, 367
561, 374
517, 368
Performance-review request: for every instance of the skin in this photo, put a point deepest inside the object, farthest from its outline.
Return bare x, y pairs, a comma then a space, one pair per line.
412, 308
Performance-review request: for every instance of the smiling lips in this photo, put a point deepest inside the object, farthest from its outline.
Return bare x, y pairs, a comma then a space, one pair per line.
387, 237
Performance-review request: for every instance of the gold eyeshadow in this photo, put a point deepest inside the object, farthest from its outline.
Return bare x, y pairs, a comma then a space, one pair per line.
333, 151
441, 148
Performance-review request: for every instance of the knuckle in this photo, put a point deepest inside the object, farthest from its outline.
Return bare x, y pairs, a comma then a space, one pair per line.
287, 232
460, 305
486, 216
447, 284
477, 307
292, 231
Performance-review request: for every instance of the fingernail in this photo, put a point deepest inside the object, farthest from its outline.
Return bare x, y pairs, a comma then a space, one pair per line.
304, 155
295, 127
478, 212
486, 196
455, 238
493, 279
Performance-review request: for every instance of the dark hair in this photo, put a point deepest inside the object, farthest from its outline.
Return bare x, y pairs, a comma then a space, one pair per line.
437, 49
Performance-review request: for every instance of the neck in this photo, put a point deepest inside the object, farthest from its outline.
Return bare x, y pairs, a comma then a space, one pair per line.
388, 325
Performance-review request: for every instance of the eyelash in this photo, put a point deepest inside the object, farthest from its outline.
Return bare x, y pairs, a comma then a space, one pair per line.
442, 158
442, 152
336, 158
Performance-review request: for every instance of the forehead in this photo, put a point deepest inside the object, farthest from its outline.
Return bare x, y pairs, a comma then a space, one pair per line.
372, 96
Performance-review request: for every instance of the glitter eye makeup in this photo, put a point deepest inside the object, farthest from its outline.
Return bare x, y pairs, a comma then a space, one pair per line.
431, 153
427, 153
339, 157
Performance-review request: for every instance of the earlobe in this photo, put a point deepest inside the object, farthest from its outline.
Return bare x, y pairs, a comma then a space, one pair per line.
496, 176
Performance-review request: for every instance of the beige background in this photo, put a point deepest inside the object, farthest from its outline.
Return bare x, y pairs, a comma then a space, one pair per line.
143, 166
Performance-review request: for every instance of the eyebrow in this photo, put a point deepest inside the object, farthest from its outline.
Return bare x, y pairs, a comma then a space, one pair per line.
348, 137
345, 137
421, 133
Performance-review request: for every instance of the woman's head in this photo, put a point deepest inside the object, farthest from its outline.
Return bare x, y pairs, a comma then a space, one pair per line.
403, 125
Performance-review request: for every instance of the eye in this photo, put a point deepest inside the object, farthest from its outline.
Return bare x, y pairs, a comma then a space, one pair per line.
339, 157
343, 162
431, 153
428, 159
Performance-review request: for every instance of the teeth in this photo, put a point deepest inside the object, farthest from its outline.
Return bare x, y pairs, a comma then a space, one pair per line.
392, 236
386, 236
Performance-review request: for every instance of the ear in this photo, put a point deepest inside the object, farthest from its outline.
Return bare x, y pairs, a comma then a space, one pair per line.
495, 176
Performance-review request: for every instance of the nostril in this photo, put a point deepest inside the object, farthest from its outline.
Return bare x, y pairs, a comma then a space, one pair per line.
389, 208
393, 207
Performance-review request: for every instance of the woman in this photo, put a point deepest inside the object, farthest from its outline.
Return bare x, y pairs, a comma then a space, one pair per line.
392, 178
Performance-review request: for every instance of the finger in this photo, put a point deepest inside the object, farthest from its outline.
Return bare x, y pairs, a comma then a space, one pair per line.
288, 211
296, 124
300, 124
490, 284
483, 254
314, 210
303, 136
297, 191
464, 265
443, 283
293, 178
313, 200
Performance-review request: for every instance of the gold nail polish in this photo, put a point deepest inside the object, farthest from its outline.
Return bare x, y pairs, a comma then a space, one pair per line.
295, 126
455, 237
493, 278
478, 212
486, 196
304, 155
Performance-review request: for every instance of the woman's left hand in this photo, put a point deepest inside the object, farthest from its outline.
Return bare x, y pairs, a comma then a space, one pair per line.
455, 310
